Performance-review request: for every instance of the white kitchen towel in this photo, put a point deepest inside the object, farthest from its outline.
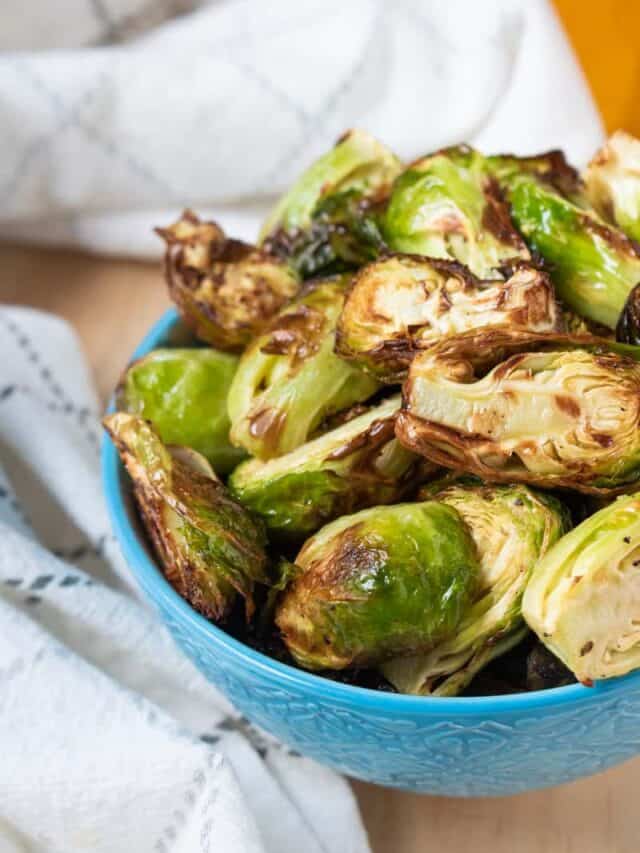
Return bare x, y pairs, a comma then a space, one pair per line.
114, 114
110, 740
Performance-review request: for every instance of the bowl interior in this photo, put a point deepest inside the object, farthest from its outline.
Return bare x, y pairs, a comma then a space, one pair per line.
136, 550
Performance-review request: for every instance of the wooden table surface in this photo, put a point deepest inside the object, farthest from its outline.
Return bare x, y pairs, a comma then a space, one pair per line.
111, 304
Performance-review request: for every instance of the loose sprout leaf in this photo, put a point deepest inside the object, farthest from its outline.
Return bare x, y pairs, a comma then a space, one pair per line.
289, 379
402, 304
211, 548
583, 598
183, 392
448, 205
225, 290
328, 220
512, 527
383, 582
556, 411
355, 465
613, 183
593, 265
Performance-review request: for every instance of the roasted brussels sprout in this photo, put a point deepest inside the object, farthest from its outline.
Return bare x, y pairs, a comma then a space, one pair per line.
380, 583
402, 304
356, 465
183, 392
448, 205
328, 220
512, 527
593, 265
613, 183
550, 167
566, 415
628, 328
289, 380
583, 598
225, 290
210, 547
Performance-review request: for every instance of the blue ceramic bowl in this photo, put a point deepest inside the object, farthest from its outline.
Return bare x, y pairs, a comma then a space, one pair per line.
462, 746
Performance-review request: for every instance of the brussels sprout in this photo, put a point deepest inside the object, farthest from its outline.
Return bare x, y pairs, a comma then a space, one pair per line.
583, 598
225, 290
566, 415
353, 466
613, 183
402, 304
448, 205
593, 265
628, 328
380, 583
183, 392
327, 221
512, 528
210, 547
551, 167
289, 380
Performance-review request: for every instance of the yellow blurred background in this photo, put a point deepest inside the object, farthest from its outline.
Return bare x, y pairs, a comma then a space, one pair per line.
606, 38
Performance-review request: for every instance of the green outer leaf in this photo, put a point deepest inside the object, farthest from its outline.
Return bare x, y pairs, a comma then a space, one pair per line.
183, 392
384, 581
583, 598
357, 162
439, 208
593, 265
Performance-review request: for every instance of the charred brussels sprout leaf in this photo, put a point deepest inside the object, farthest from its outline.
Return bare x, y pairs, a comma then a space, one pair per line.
328, 220
225, 290
448, 205
383, 582
210, 547
613, 183
628, 328
544, 670
550, 167
583, 598
563, 415
183, 392
356, 465
593, 265
289, 380
402, 304
512, 528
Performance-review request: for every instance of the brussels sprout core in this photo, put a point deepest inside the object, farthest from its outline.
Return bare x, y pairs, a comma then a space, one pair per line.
383, 582
583, 599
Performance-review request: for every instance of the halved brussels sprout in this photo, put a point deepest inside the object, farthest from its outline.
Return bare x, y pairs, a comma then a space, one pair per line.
353, 466
402, 304
327, 221
583, 598
551, 167
210, 547
289, 380
380, 583
593, 265
448, 205
566, 414
183, 392
512, 527
613, 182
225, 290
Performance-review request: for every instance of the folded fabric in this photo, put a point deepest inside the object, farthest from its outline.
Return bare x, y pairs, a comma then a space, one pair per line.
111, 740
115, 114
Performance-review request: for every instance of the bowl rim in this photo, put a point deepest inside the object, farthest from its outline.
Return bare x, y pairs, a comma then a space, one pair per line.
154, 584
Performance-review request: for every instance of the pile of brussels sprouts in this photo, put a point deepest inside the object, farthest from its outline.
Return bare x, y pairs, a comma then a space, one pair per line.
403, 447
